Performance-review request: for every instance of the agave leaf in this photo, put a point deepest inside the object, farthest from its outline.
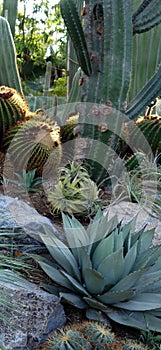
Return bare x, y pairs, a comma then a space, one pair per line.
74, 227
156, 266
61, 254
74, 300
130, 259
145, 241
103, 249
112, 267
148, 280
95, 304
142, 302
129, 282
96, 315
94, 281
97, 230
140, 320
75, 284
115, 297
54, 273
84, 260
147, 258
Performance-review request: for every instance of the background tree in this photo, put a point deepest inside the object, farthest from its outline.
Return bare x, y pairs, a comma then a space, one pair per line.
40, 35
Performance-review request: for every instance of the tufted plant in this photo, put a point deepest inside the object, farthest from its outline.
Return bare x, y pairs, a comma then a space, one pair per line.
106, 32
74, 191
108, 269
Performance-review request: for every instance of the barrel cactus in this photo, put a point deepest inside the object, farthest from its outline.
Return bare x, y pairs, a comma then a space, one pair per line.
13, 108
69, 340
30, 144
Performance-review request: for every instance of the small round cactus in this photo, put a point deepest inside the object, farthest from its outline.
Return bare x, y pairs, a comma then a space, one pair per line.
99, 334
133, 345
67, 340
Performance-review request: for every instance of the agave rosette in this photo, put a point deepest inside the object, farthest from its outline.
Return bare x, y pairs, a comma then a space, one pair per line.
108, 269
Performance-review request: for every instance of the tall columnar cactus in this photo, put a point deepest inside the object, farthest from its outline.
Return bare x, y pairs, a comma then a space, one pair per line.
9, 74
11, 7
104, 46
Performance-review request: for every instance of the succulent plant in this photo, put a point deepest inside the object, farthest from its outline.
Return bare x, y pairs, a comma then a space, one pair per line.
91, 335
9, 74
74, 192
68, 340
31, 143
107, 57
133, 345
107, 269
99, 335
13, 109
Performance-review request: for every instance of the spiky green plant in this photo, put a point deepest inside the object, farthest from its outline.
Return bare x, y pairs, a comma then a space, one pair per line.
104, 53
107, 269
99, 334
74, 192
133, 345
13, 109
30, 144
69, 340
92, 335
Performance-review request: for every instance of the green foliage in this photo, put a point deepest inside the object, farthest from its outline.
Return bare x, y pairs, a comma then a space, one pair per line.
27, 181
35, 38
74, 191
60, 88
108, 269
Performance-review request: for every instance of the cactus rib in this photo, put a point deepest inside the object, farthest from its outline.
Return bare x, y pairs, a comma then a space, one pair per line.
147, 16
75, 30
149, 92
117, 50
9, 74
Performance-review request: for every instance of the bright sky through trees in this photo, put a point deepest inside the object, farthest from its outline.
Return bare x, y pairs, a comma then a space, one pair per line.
30, 4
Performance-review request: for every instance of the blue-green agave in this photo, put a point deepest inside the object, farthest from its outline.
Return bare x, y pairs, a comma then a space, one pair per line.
111, 271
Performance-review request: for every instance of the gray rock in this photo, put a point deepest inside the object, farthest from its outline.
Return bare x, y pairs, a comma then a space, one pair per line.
34, 315
126, 211
22, 224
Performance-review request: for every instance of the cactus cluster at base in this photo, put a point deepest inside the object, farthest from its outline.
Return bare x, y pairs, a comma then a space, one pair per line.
90, 335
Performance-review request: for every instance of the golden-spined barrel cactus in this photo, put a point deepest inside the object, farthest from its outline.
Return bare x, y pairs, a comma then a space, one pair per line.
32, 142
13, 109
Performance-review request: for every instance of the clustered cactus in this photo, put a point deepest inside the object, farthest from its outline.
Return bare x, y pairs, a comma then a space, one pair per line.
90, 335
